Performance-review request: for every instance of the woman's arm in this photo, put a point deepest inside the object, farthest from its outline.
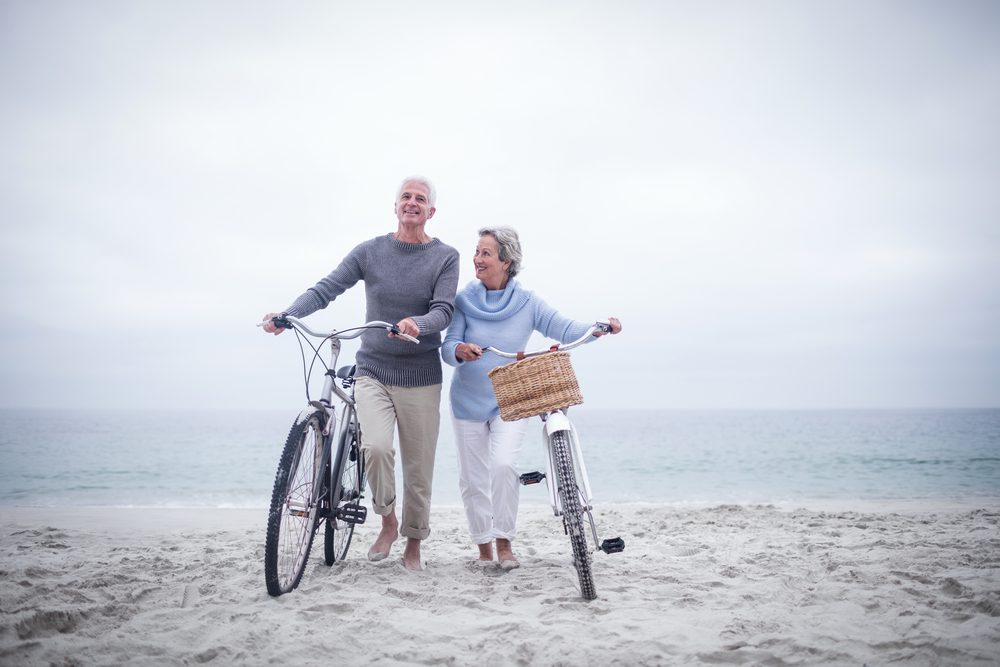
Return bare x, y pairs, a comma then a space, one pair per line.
454, 338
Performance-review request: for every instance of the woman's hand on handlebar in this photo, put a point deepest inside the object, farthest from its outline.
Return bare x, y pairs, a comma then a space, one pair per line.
270, 326
468, 352
616, 326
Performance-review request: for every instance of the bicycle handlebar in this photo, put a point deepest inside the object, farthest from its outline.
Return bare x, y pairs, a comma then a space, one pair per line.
290, 322
603, 327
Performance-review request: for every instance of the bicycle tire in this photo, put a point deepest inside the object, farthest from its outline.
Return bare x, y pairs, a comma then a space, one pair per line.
350, 470
569, 495
292, 518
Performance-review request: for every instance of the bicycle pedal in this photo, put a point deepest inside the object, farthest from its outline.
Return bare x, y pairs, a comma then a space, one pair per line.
532, 478
352, 513
613, 545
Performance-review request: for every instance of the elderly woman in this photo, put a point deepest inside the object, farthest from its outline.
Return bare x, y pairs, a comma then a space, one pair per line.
494, 310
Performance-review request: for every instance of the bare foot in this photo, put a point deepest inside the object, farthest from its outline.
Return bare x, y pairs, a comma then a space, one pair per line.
388, 535
504, 550
486, 551
411, 554
508, 561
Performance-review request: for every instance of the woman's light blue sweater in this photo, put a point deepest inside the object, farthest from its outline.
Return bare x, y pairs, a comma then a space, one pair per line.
504, 319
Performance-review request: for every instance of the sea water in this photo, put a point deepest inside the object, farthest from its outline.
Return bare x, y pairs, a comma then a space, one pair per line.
228, 458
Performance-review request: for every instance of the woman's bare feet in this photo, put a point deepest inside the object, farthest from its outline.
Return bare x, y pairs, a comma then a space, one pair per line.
505, 554
486, 551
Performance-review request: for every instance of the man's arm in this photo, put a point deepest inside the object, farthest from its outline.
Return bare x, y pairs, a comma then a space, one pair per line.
442, 303
345, 276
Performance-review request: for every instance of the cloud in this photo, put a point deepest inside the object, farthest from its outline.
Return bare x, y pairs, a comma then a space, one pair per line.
787, 206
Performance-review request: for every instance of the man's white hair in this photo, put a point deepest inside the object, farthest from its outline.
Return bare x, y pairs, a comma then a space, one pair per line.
431, 192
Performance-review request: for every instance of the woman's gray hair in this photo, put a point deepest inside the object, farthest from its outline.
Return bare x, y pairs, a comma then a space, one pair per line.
431, 191
510, 247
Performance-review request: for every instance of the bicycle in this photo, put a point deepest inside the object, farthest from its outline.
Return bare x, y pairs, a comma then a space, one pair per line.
316, 481
542, 384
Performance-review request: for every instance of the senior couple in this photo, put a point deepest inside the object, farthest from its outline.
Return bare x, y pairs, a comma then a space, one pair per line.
411, 279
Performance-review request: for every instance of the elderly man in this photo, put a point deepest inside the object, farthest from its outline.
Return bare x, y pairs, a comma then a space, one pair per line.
410, 279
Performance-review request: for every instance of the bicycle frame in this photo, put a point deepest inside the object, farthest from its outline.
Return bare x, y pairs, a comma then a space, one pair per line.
330, 386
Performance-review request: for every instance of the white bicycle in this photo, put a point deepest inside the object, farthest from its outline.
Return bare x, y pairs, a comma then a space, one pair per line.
542, 383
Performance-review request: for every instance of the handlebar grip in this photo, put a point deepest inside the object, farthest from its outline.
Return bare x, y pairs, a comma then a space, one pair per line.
394, 329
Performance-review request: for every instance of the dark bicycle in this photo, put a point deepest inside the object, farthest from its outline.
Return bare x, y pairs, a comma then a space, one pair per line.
321, 472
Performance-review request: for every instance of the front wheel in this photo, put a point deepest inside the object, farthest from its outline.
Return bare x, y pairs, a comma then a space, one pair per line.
569, 496
291, 522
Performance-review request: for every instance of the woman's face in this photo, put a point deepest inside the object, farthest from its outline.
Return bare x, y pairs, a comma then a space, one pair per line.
489, 268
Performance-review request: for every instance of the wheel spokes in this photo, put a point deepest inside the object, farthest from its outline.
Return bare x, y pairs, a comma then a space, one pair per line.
298, 510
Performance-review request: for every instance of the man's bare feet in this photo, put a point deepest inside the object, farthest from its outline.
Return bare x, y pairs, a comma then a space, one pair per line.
411, 554
506, 555
486, 551
388, 535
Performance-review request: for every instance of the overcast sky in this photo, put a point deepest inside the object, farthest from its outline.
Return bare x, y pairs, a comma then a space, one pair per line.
788, 204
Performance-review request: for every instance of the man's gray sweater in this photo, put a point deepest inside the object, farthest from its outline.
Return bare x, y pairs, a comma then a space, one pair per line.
416, 280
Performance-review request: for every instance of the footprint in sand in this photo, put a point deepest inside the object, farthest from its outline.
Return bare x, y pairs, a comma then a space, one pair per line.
190, 596
46, 623
684, 551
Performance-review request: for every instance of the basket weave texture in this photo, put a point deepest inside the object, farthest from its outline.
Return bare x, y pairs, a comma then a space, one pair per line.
535, 385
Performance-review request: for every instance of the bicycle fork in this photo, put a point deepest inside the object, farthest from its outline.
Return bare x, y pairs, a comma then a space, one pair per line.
555, 422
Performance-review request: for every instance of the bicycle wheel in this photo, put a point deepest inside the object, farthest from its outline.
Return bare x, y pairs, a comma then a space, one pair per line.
291, 523
569, 495
347, 510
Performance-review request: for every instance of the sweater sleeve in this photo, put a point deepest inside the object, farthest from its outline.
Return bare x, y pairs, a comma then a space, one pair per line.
442, 303
345, 276
456, 335
552, 325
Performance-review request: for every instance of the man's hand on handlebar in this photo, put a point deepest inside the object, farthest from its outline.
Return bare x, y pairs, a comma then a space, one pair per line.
270, 326
406, 326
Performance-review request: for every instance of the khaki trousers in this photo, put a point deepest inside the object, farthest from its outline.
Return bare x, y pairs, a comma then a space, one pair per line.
415, 412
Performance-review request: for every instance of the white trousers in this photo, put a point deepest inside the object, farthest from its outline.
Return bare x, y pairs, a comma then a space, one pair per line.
488, 477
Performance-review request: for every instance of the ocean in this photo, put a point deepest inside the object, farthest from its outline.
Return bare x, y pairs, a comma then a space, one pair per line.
167, 458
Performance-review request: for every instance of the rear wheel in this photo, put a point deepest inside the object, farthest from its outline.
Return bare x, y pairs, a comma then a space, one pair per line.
569, 496
347, 510
291, 522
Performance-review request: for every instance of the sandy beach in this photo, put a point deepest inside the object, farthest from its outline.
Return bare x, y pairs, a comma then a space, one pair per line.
715, 585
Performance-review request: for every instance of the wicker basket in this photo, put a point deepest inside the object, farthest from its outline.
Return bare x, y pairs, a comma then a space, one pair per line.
535, 385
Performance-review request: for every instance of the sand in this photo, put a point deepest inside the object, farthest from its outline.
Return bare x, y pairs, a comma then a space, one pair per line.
713, 585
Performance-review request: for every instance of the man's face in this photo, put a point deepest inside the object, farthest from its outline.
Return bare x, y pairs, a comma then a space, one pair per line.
413, 207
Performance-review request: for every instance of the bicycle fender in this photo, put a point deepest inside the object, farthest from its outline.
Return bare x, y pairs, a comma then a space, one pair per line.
311, 409
304, 415
556, 422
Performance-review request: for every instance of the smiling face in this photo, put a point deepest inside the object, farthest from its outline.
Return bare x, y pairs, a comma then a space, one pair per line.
413, 208
489, 269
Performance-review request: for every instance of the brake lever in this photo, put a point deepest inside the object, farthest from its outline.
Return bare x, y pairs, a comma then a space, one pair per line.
395, 330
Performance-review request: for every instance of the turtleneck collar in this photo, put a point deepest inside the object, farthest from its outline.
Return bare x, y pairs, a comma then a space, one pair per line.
476, 301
